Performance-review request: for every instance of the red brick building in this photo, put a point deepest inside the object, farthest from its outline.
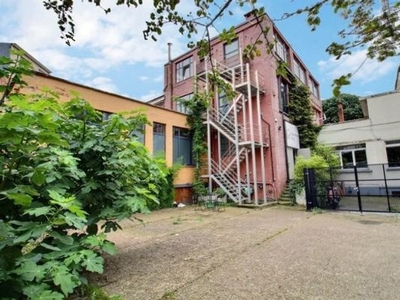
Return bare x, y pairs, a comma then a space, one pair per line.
252, 144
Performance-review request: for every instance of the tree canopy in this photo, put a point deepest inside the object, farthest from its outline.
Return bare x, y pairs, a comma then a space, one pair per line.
351, 108
368, 24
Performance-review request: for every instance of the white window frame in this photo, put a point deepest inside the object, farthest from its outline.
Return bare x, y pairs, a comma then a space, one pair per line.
231, 49
352, 149
184, 69
313, 87
281, 49
299, 71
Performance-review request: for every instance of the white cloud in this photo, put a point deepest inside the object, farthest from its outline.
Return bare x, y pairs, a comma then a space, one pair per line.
368, 71
104, 84
102, 41
144, 78
149, 96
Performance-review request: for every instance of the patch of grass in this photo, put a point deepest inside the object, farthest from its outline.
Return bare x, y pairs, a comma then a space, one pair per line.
168, 296
177, 221
94, 292
199, 219
316, 211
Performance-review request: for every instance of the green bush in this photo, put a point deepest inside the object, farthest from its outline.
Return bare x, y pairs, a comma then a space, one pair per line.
322, 159
64, 172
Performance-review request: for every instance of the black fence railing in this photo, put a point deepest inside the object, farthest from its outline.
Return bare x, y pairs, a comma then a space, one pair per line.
369, 188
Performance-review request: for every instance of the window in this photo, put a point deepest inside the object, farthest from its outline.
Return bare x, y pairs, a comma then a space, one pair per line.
280, 49
158, 138
283, 96
223, 103
180, 106
299, 71
183, 146
353, 155
106, 115
224, 146
139, 134
393, 153
313, 87
184, 69
231, 49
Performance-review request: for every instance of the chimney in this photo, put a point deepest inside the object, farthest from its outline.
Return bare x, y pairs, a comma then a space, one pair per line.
250, 15
340, 109
169, 52
397, 83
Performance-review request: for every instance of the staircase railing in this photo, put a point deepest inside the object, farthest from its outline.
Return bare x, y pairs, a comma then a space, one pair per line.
225, 123
227, 181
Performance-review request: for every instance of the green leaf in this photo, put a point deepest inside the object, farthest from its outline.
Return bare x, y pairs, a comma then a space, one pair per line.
33, 290
40, 211
65, 280
29, 271
49, 295
109, 248
23, 237
38, 177
50, 247
65, 239
93, 262
74, 220
20, 199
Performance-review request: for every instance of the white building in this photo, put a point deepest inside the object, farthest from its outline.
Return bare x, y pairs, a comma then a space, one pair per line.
372, 144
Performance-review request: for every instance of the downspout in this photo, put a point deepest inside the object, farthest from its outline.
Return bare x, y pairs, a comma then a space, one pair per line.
285, 143
271, 154
170, 77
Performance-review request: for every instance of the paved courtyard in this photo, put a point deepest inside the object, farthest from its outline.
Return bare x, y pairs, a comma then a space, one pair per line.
274, 253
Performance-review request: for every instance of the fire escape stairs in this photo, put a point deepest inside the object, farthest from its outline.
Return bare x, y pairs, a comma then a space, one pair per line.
225, 172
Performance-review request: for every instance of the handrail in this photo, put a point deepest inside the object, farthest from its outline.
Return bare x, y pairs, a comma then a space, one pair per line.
258, 135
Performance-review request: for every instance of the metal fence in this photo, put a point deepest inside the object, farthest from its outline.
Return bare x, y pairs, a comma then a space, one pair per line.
373, 188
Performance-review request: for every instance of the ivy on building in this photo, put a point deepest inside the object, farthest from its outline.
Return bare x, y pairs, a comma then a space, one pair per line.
301, 115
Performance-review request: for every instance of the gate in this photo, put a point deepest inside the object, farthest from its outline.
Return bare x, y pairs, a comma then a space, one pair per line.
375, 188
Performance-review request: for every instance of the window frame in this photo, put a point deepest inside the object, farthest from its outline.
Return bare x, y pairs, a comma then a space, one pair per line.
283, 101
187, 158
184, 69
352, 149
393, 144
180, 107
231, 53
299, 71
159, 129
313, 86
281, 49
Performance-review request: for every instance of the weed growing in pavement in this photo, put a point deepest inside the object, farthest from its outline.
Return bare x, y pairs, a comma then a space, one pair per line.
168, 296
94, 292
316, 211
177, 221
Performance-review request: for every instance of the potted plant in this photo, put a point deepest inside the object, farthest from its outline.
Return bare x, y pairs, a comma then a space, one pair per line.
220, 193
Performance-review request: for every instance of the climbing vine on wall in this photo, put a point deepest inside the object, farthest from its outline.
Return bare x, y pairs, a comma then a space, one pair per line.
300, 113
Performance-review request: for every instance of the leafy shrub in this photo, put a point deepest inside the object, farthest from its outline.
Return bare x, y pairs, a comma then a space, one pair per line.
66, 179
322, 158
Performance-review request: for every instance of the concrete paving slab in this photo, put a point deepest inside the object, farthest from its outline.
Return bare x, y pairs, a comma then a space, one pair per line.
275, 253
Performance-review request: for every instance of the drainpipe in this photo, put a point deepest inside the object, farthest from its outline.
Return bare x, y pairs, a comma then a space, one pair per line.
270, 152
340, 109
285, 143
170, 77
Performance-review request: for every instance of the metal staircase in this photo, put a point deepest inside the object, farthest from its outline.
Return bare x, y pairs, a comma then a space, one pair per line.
240, 170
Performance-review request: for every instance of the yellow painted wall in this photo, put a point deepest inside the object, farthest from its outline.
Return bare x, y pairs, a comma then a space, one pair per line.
113, 103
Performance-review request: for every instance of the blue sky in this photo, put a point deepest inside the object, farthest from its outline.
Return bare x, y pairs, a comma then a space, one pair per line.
110, 53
